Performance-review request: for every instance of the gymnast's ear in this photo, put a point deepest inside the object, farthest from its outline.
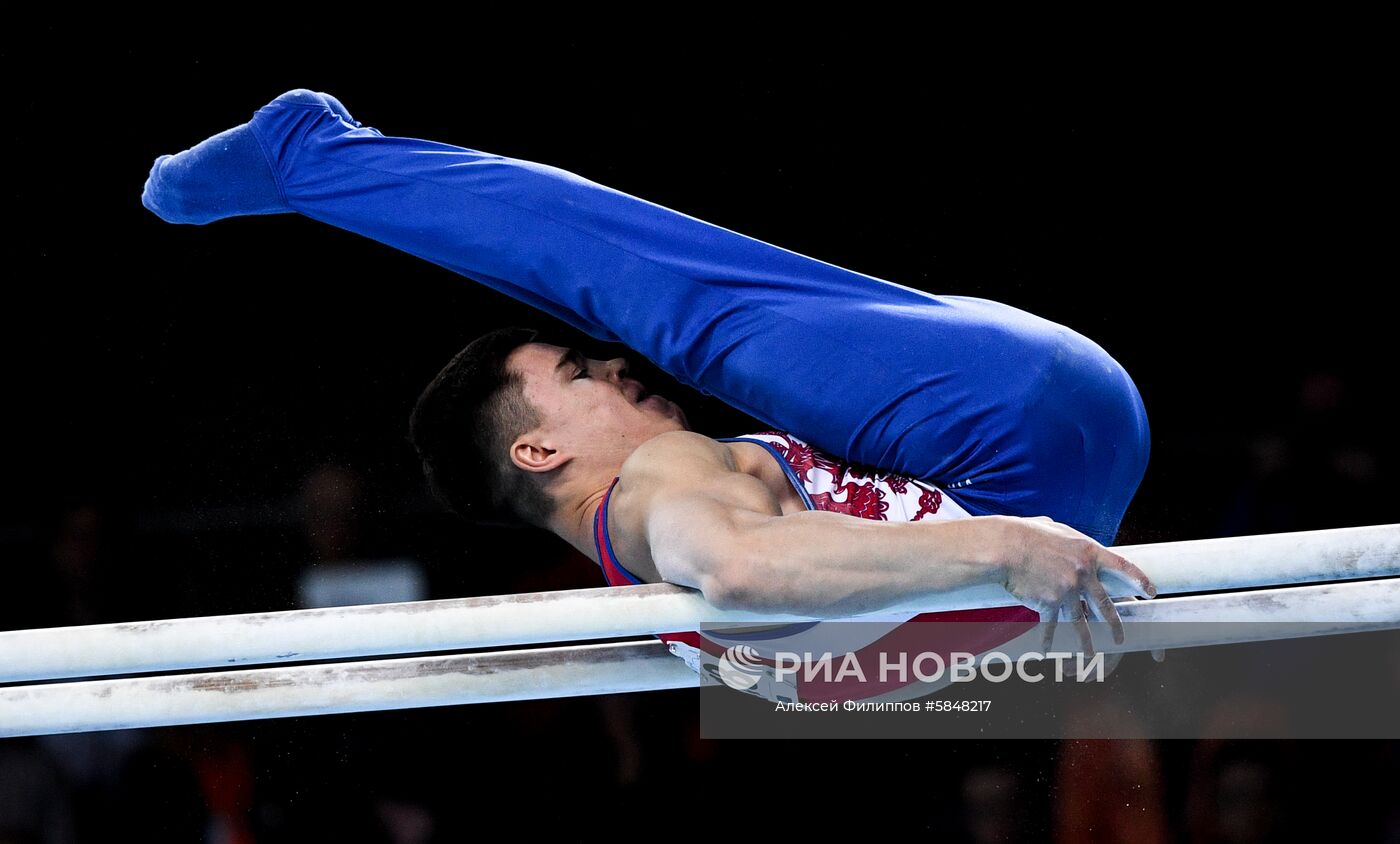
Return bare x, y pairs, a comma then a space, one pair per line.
531, 453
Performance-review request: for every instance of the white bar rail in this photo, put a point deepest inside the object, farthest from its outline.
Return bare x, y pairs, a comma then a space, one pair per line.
613, 612
614, 667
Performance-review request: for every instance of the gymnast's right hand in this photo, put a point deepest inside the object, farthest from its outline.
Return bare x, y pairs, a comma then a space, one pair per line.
1053, 568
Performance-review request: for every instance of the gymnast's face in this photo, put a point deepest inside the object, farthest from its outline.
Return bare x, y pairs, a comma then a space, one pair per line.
586, 407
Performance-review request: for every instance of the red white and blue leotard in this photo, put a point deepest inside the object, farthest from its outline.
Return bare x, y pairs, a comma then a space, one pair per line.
828, 484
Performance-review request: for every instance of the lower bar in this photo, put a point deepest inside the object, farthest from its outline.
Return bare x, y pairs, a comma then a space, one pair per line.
167, 700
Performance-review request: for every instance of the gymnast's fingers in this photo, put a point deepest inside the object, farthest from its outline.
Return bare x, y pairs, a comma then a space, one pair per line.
1104, 604
1077, 613
1049, 616
1119, 565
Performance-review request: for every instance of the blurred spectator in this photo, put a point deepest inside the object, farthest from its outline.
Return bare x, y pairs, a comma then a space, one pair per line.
34, 802
345, 569
331, 500
71, 578
1241, 792
994, 804
1109, 790
1318, 465
78, 561
991, 795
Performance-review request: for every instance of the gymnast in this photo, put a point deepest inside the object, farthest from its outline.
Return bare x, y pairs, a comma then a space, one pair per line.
919, 443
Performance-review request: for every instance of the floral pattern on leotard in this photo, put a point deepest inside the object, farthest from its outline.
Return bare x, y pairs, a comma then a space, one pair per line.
844, 488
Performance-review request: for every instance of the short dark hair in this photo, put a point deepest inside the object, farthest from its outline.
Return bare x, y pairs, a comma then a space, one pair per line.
462, 427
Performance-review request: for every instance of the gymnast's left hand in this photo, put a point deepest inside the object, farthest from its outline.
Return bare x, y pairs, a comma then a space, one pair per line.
1054, 569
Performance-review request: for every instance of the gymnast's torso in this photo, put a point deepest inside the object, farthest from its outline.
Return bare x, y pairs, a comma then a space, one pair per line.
801, 478
805, 478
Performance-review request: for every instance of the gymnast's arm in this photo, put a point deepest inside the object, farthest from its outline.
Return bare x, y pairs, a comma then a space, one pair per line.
719, 530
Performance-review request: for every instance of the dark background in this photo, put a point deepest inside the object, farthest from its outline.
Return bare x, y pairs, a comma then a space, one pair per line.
1210, 212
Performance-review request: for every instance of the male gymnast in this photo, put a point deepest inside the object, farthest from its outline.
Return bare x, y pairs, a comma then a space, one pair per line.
1007, 447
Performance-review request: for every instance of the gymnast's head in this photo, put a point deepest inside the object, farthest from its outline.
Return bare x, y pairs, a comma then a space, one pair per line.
514, 421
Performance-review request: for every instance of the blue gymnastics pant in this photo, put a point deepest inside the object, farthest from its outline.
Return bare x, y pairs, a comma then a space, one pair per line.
1008, 412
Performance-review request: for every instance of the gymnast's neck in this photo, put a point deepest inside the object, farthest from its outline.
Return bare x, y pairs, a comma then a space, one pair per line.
578, 491
659, 466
